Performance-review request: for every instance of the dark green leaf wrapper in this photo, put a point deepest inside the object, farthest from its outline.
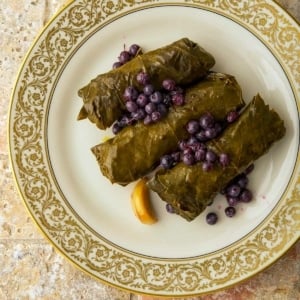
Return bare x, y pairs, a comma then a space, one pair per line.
189, 189
183, 61
136, 150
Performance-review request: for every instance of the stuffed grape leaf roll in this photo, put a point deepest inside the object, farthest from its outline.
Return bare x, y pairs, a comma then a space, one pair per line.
183, 61
189, 189
137, 149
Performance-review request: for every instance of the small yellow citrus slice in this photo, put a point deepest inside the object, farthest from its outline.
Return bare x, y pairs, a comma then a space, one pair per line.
141, 204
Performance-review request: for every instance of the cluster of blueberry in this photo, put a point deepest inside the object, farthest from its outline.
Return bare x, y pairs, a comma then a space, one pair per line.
125, 56
147, 104
194, 149
235, 192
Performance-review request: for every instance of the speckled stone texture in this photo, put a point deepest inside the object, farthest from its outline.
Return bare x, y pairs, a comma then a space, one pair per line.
30, 267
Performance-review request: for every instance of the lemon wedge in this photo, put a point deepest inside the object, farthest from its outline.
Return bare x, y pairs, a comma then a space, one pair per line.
141, 204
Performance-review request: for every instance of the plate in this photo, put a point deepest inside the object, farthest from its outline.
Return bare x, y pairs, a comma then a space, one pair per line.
89, 220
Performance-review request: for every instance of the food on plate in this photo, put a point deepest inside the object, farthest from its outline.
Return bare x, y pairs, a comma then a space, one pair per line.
183, 61
137, 149
190, 189
141, 204
179, 124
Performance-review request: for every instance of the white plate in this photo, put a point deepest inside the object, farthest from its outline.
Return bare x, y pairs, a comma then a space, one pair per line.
90, 220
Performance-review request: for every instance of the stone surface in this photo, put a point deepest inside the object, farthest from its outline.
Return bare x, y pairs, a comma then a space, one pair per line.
33, 270
30, 267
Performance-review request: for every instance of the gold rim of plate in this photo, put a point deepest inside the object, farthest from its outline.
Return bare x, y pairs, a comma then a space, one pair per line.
95, 256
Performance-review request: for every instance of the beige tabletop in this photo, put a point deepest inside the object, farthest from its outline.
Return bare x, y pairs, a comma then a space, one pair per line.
30, 267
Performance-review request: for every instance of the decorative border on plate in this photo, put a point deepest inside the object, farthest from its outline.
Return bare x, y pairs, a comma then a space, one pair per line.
111, 265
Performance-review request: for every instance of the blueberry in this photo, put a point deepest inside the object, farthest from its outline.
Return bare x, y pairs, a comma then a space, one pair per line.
200, 155
167, 161
142, 100
131, 106
124, 121
116, 128
232, 201
210, 133
130, 93
148, 89
188, 159
178, 99
211, 218
156, 97
224, 159
233, 190
116, 65
230, 211
139, 114
232, 116
211, 156
192, 127
142, 78
246, 196
155, 116
134, 49
169, 84
124, 57
206, 121
150, 108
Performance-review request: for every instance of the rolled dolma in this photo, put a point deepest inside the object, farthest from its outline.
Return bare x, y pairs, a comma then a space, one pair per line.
189, 189
183, 61
136, 150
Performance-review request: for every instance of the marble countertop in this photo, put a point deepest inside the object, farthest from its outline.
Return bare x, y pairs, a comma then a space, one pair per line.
30, 267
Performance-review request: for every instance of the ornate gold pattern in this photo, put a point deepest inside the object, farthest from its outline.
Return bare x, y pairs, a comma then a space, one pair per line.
104, 261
